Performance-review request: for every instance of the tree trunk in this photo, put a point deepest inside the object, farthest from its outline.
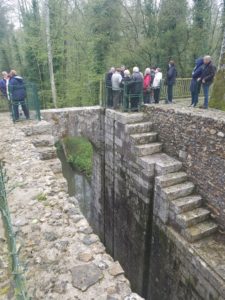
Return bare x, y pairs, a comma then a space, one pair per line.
49, 50
218, 93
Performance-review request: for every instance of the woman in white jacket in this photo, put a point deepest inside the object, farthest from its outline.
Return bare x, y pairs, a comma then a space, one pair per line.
157, 84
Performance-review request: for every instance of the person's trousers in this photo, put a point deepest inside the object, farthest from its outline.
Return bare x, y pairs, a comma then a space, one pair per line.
116, 99
16, 109
109, 97
194, 98
206, 94
156, 95
147, 95
135, 101
170, 93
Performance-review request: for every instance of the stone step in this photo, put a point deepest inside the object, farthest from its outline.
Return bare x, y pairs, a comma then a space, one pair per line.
43, 141
200, 231
148, 149
42, 128
55, 165
171, 179
185, 204
139, 127
128, 118
47, 153
144, 138
160, 164
177, 191
192, 217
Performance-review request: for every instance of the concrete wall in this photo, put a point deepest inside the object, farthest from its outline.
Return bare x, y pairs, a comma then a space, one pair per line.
198, 139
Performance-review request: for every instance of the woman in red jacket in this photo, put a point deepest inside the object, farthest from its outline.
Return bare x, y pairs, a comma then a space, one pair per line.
147, 86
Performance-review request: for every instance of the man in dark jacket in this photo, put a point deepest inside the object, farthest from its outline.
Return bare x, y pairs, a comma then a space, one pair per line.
195, 84
108, 83
17, 91
207, 78
136, 89
171, 80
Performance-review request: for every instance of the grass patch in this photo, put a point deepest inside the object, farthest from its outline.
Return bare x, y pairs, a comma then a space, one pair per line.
79, 153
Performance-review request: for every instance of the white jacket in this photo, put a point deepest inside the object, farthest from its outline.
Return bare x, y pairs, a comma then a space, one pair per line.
157, 80
116, 80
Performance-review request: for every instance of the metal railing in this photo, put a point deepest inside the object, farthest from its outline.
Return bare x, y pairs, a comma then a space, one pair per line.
181, 90
16, 267
31, 102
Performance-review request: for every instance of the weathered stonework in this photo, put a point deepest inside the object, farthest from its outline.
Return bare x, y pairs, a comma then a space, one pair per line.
136, 190
65, 259
197, 137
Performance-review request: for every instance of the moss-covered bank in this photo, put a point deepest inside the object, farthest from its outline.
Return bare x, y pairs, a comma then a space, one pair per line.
79, 153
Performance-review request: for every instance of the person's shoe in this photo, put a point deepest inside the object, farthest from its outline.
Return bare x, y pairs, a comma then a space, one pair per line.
203, 107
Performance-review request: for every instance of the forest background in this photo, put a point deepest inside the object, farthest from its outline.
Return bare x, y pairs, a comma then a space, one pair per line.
66, 46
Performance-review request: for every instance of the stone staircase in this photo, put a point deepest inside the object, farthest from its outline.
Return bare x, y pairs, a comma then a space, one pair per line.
176, 202
43, 140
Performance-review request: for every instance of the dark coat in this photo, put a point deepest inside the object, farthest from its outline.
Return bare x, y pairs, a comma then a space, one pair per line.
136, 84
126, 85
208, 74
17, 88
108, 79
197, 73
171, 75
3, 87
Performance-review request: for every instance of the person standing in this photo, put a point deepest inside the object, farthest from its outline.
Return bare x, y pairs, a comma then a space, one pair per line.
156, 86
195, 84
116, 80
147, 86
153, 69
136, 89
206, 78
122, 70
4, 84
17, 92
171, 80
108, 83
125, 86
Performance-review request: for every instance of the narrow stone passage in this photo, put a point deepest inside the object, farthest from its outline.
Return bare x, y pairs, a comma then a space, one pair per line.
65, 260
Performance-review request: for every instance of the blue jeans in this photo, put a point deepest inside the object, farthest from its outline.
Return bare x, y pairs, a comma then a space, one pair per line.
194, 97
170, 93
206, 94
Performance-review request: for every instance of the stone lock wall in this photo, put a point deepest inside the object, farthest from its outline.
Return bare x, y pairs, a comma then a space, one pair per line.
89, 123
159, 262
198, 139
128, 199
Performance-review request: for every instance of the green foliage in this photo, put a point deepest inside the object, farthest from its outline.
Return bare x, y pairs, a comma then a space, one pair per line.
217, 99
79, 153
41, 197
88, 37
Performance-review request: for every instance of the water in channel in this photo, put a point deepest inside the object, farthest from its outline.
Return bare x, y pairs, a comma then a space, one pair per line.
78, 185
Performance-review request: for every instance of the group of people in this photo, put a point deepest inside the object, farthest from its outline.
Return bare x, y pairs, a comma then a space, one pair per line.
13, 89
130, 89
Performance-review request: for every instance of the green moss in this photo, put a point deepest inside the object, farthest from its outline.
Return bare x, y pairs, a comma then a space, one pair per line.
218, 94
79, 152
41, 197
4, 290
